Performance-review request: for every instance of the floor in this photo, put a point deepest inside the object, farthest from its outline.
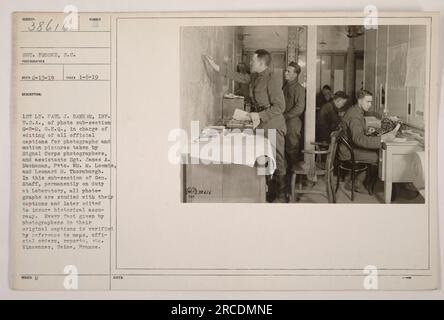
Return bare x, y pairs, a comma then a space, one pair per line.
343, 195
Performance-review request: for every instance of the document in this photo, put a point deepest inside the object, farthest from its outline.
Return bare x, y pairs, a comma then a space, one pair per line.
241, 115
104, 111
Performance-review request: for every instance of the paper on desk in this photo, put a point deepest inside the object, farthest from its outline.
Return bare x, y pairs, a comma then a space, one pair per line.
256, 119
237, 148
241, 115
395, 131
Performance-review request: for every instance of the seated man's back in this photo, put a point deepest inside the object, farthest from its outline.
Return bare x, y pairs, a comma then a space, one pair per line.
328, 117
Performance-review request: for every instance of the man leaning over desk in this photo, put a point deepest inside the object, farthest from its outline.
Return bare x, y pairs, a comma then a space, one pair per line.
268, 104
365, 147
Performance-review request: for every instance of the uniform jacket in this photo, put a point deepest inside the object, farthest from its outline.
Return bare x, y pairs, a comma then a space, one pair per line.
320, 100
264, 91
354, 124
327, 121
294, 94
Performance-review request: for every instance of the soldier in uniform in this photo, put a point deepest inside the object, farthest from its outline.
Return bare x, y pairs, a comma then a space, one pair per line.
365, 147
294, 94
323, 97
268, 106
328, 118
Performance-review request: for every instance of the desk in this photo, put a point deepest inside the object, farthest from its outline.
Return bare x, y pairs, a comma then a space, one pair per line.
395, 164
222, 183
227, 169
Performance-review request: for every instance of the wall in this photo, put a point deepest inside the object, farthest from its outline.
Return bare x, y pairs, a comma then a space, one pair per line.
336, 39
276, 40
265, 37
201, 88
395, 60
276, 37
370, 65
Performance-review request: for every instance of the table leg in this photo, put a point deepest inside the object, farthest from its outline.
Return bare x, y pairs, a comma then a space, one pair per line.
388, 181
388, 190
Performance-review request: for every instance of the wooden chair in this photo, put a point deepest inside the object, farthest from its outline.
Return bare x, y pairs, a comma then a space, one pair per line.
352, 166
317, 168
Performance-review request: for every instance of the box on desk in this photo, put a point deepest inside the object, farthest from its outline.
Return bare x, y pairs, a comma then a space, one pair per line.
231, 104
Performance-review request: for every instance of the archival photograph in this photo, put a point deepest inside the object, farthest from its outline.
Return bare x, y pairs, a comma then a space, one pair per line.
304, 114
200, 151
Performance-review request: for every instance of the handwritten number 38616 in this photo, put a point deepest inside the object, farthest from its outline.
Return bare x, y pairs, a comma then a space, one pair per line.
44, 26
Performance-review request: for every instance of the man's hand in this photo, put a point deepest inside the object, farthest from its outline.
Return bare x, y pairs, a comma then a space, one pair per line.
389, 136
371, 130
255, 118
212, 63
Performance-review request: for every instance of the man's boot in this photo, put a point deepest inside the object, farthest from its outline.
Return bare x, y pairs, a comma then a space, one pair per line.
404, 190
281, 189
359, 183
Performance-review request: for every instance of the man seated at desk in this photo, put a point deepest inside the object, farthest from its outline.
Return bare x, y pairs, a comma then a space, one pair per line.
323, 97
365, 147
328, 118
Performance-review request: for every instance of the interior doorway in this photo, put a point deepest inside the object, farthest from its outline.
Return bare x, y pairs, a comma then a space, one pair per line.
330, 70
